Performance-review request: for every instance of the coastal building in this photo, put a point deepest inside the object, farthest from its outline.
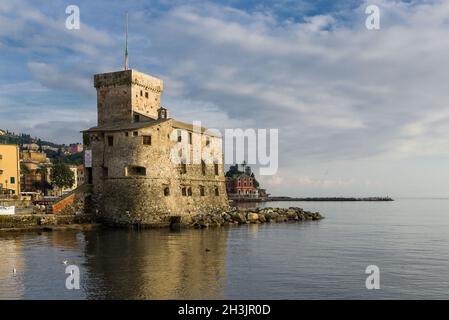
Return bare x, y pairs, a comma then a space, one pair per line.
80, 174
74, 169
34, 171
128, 156
9, 169
30, 146
76, 148
242, 184
33, 158
49, 148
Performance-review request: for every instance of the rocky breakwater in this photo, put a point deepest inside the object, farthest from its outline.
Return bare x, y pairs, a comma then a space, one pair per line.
236, 216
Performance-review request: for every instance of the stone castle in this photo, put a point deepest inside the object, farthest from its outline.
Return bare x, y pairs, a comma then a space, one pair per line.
128, 157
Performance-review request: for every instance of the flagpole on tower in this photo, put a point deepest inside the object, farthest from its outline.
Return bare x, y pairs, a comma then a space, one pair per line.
126, 43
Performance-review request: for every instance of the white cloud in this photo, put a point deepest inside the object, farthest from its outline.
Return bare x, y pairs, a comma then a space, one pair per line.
337, 91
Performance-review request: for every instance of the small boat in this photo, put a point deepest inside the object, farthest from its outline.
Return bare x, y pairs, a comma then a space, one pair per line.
7, 210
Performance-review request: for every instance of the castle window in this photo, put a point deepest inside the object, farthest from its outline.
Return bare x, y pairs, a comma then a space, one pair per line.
216, 168
135, 171
203, 167
110, 141
126, 133
146, 95
217, 193
184, 191
202, 192
166, 191
190, 137
189, 192
183, 168
141, 93
179, 135
89, 175
105, 172
135, 133
136, 118
146, 140
207, 141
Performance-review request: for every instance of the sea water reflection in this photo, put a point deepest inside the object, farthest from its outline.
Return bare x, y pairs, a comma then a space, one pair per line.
406, 238
115, 264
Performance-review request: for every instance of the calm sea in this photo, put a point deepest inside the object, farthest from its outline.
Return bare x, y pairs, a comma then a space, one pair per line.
407, 239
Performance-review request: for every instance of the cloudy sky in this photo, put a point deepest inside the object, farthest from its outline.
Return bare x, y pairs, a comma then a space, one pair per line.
359, 112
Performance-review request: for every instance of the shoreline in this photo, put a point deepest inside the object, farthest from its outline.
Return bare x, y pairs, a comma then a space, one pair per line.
234, 216
50, 228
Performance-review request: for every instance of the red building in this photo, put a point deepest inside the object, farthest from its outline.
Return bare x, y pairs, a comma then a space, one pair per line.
76, 148
242, 185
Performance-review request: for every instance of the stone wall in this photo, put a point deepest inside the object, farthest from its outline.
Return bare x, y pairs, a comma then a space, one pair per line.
141, 199
129, 177
33, 221
121, 93
15, 202
113, 97
146, 94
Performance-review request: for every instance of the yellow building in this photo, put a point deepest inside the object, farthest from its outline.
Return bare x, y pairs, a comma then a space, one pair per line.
9, 169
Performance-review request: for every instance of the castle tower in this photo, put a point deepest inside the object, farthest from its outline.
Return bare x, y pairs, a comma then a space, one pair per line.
129, 156
127, 96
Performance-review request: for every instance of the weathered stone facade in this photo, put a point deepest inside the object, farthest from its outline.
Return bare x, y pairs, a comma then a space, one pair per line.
134, 179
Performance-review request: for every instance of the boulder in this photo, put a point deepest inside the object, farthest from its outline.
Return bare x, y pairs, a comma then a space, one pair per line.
252, 217
186, 220
239, 217
317, 216
292, 215
226, 217
281, 218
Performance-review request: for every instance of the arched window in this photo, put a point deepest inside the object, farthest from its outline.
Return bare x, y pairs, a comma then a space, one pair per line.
217, 193
202, 191
184, 191
166, 191
189, 191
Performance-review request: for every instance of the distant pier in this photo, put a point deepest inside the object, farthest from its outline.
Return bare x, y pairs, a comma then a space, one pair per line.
281, 198
329, 199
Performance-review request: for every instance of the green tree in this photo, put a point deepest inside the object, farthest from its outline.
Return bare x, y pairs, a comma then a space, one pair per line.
62, 176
